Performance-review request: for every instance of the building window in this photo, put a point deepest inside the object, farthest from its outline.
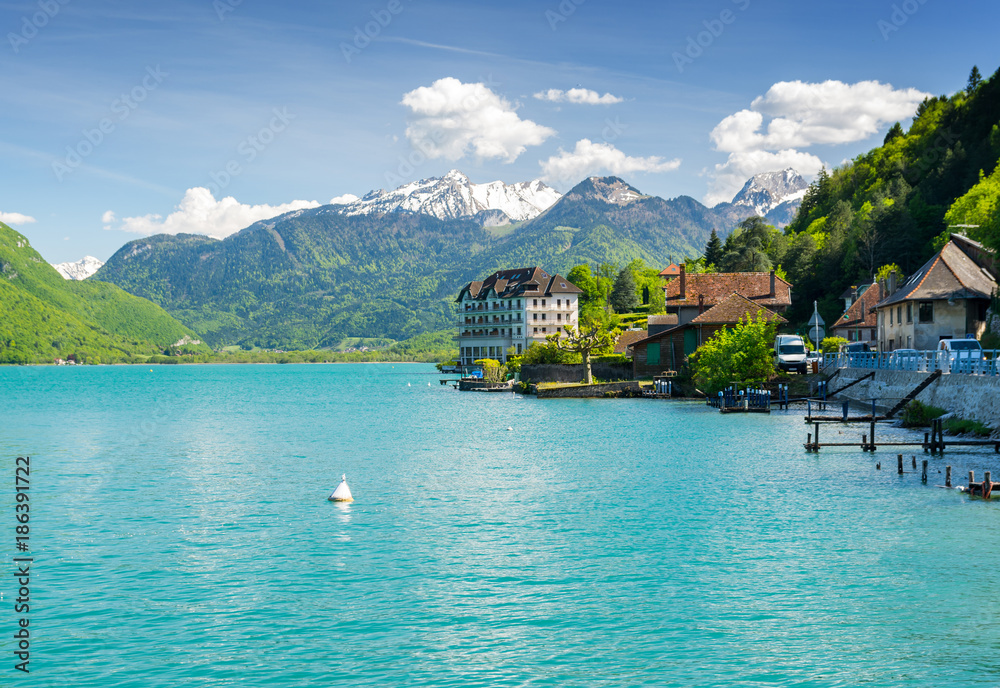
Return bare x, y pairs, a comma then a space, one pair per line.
519, 303
543, 330
890, 317
558, 303
909, 312
519, 348
535, 302
543, 316
543, 303
899, 314
534, 316
536, 330
519, 334
559, 316
926, 311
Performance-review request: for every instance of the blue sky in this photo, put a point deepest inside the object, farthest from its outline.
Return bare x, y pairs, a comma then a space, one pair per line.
271, 105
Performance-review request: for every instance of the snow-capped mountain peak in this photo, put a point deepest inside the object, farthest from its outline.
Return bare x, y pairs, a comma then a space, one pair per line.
81, 269
766, 191
455, 196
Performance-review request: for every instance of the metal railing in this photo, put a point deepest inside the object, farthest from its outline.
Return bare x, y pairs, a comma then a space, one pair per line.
953, 362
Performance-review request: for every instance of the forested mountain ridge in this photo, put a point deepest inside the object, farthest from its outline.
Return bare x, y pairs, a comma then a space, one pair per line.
310, 278
44, 316
891, 205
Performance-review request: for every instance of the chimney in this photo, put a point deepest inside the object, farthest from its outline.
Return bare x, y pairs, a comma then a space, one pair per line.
701, 304
892, 283
774, 291
683, 284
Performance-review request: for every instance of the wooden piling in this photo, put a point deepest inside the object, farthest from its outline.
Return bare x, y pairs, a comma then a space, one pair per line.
914, 460
947, 476
871, 442
923, 473
972, 480
899, 464
809, 441
927, 442
864, 442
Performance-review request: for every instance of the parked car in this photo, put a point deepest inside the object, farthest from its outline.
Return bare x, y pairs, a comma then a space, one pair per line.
905, 359
790, 353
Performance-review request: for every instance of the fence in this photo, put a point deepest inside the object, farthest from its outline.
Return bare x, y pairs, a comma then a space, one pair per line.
955, 362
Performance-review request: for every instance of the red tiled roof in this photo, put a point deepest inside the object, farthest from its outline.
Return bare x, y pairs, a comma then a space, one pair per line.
716, 286
860, 314
734, 308
671, 270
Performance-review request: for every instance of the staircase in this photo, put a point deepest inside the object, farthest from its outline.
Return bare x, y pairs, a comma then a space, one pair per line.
913, 395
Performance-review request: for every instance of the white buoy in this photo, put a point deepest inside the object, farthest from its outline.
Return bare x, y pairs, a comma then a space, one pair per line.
407, 384
428, 384
342, 493
510, 428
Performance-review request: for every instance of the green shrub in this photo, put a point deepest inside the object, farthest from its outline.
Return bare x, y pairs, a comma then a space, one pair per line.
961, 426
916, 414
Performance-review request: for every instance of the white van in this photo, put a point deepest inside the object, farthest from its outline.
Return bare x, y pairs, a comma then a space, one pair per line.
790, 353
962, 354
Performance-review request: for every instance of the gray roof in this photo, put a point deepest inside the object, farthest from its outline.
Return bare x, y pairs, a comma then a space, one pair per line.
952, 273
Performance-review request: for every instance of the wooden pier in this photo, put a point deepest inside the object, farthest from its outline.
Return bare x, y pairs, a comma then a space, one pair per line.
934, 441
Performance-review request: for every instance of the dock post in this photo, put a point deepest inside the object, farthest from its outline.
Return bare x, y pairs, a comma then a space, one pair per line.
914, 459
987, 484
846, 405
816, 435
872, 438
923, 473
972, 480
947, 476
864, 442
927, 441
809, 441
899, 464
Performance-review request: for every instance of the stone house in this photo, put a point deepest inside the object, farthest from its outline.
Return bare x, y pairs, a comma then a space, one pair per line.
947, 298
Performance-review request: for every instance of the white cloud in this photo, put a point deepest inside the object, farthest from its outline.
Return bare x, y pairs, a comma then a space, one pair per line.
800, 115
451, 119
578, 96
344, 199
589, 158
199, 213
16, 218
108, 217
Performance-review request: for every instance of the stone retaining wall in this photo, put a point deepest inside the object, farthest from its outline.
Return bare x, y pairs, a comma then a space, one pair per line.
558, 372
970, 396
589, 391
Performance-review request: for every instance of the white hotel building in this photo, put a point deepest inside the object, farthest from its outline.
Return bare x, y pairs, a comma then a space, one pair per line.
513, 308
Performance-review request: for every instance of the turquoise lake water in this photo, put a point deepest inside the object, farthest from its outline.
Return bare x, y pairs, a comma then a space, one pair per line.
182, 537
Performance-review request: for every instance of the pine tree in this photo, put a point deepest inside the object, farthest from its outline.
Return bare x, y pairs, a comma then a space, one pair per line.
623, 297
713, 249
975, 78
894, 132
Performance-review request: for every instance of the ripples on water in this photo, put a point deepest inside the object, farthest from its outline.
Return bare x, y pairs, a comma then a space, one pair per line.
183, 537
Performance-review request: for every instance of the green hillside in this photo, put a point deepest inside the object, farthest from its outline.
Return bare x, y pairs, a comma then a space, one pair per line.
43, 316
893, 204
